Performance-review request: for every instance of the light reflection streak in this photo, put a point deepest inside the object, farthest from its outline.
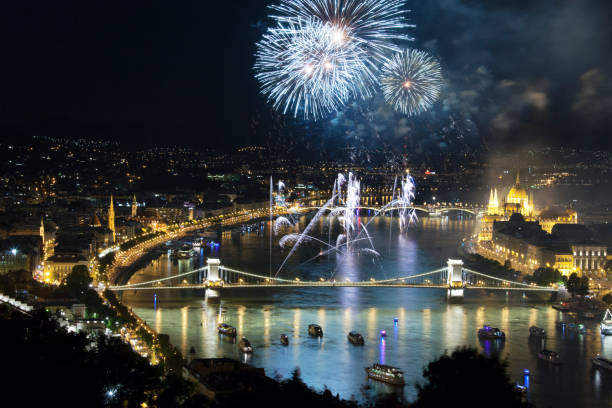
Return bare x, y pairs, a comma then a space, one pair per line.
480, 317
533, 317
296, 323
266, 314
427, 322
372, 322
505, 313
158, 320
184, 314
240, 314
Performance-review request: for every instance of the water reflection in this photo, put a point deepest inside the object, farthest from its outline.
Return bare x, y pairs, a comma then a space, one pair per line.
427, 325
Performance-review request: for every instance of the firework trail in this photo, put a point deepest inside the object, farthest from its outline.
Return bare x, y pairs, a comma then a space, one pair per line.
280, 223
411, 81
306, 231
407, 215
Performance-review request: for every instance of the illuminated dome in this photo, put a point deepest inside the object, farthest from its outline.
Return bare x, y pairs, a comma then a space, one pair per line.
517, 194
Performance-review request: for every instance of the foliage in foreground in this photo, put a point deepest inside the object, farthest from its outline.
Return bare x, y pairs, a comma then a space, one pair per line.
467, 378
50, 367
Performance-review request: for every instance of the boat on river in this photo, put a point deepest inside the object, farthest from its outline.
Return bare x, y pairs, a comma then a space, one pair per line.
185, 252
356, 338
605, 327
576, 328
226, 329
315, 330
245, 345
562, 307
549, 356
491, 333
602, 362
385, 373
537, 332
284, 339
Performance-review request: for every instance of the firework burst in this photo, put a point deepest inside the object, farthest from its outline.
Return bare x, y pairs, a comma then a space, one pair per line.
323, 53
411, 81
374, 24
306, 69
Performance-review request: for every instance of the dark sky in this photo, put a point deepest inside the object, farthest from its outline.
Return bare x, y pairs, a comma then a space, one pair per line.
152, 72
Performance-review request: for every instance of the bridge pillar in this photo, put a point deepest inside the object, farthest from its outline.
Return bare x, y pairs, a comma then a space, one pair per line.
454, 279
213, 268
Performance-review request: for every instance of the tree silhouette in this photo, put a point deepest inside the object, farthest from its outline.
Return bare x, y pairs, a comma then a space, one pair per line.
467, 378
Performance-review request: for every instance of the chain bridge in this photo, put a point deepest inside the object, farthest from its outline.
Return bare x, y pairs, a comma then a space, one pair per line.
453, 277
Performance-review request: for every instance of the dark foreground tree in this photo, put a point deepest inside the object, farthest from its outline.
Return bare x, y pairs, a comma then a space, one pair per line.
578, 285
52, 368
467, 378
545, 276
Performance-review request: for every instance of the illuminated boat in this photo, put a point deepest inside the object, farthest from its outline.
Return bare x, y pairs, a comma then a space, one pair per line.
491, 333
315, 330
356, 338
535, 331
576, 328
226, 329
197, 243
602, 362
562, 307
549, 356
284, 340
385, 373
245, 345
185, 252
606, 323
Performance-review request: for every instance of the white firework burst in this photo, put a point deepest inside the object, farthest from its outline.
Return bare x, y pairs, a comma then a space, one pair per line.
304, 68
411, 81
374, 24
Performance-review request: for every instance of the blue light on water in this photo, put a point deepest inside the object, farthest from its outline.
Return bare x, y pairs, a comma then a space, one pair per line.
155, 301
382, 349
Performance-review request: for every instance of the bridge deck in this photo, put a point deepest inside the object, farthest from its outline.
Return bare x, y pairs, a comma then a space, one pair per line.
330, 285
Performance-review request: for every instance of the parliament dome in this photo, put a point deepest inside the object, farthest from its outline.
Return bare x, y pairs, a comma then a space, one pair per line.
517, 194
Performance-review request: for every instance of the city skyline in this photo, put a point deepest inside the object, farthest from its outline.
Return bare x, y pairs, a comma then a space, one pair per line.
298, 203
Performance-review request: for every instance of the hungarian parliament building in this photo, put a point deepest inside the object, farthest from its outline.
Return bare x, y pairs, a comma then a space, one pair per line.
514, 230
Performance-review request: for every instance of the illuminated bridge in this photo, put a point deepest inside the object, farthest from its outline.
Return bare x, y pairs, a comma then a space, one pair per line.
439, 209
453, 277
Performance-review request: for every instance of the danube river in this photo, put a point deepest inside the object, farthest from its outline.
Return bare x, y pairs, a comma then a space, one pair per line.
427, 324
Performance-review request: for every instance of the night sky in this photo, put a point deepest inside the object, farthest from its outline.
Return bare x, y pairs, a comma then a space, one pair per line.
151, 72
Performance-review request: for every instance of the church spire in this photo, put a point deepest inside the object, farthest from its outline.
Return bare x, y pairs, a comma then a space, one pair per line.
518, 178
111, 217
134, 206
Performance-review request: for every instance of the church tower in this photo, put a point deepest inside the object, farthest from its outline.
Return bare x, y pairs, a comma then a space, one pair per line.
42, 230
493, 206
134, 206
111, 218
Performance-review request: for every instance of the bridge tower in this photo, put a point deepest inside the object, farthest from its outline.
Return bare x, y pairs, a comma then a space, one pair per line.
454, 279
213, 268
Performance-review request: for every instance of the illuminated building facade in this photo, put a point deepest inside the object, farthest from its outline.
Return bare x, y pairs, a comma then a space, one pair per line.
111, 218
519, 201
514, 230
